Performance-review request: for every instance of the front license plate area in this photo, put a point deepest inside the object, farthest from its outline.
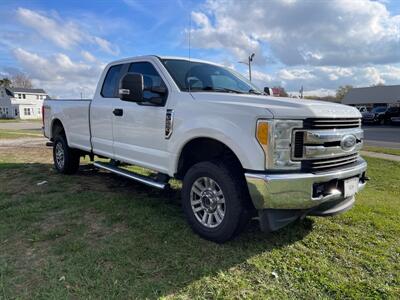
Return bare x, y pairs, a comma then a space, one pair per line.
351, 186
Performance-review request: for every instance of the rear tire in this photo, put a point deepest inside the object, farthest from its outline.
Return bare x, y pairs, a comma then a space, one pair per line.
66, 159
214, 198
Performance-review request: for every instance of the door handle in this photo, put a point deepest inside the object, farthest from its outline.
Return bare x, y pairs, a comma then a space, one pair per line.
118, 112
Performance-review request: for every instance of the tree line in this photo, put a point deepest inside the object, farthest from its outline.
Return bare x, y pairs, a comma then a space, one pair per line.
18, 80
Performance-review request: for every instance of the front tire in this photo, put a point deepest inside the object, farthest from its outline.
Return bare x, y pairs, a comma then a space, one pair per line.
66, 159
213, 200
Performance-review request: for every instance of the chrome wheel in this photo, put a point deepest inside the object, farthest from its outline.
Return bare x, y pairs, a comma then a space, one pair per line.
208, 202
60, 157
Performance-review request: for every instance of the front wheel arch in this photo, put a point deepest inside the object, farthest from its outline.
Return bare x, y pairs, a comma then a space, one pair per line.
204, 149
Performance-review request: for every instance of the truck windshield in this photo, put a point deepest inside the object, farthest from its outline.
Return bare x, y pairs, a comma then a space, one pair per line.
196, 76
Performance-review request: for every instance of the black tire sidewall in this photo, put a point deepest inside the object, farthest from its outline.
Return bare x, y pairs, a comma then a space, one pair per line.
60, 140
233, 206
71, 159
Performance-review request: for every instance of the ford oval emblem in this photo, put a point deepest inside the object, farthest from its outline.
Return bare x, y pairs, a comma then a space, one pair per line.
348, 142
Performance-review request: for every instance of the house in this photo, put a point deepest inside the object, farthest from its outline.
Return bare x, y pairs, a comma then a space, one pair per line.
22, 103
276, 92
381, 95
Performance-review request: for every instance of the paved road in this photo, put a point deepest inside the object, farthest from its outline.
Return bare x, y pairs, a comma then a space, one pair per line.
21, 125
382, 136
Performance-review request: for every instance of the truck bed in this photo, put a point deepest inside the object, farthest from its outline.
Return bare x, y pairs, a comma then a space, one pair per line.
74, 115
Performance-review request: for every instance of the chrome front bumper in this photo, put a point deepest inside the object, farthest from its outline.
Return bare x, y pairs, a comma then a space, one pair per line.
295, 190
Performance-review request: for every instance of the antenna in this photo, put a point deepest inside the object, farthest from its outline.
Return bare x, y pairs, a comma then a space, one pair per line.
190, 31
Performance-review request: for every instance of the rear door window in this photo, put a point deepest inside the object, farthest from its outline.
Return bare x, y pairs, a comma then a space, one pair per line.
111, 82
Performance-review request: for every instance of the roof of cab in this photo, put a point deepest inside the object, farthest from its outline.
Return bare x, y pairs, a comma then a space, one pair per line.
128, 59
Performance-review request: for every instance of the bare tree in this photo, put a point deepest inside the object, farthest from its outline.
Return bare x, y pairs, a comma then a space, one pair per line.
22, 81
342, 91
5, 82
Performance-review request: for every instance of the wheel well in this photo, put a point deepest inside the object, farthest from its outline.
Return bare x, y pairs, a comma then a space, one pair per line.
57, 128
204, 149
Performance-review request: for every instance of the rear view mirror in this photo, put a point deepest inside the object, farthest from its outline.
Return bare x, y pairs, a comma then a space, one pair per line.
131, 87
267, 91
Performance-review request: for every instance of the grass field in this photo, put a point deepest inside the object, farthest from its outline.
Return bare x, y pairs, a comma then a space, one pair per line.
95, 235
22, 133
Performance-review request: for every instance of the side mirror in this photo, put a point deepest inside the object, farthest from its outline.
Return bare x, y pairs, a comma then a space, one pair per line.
131, 87
159, 90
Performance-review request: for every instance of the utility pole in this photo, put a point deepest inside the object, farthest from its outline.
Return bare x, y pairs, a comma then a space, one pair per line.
248, 63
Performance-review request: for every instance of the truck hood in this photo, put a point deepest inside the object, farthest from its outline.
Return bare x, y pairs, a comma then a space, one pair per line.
280, 107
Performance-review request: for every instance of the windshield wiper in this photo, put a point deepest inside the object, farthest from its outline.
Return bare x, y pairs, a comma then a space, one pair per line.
213, 89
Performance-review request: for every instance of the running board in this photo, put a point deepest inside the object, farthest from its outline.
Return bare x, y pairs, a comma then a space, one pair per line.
140, 178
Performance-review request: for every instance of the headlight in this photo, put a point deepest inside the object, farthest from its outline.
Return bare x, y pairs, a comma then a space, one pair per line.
275, 137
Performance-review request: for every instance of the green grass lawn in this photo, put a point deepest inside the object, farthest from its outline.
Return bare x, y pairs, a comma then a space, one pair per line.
96, 235
22, 133
382, 150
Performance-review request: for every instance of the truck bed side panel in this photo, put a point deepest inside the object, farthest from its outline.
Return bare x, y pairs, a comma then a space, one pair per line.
74, 115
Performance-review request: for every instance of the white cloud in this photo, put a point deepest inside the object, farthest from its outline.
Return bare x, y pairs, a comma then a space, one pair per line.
318, 92
65, 34
391, 73
319, 79
88, 56
58, 74
374, 75
106, 45
336, 32
225, 36
299, 74
261, 77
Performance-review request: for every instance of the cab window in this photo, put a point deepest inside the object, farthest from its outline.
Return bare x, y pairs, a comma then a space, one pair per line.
151, 78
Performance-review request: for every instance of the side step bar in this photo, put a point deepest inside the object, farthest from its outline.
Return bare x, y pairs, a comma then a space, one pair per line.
140, 178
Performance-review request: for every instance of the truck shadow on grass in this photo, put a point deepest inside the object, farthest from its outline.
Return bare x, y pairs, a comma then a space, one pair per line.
99, 235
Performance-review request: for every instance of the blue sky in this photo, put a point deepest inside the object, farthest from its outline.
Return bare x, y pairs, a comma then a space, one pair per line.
63, 45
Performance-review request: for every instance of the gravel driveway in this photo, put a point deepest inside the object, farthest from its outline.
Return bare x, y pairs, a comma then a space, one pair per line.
23, 142
26, 125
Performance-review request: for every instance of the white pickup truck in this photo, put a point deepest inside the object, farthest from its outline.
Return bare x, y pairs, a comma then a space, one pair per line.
239, 152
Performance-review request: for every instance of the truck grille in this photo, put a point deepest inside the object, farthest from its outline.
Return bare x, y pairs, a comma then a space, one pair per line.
328, 163
298, 144
319, 144
332, 123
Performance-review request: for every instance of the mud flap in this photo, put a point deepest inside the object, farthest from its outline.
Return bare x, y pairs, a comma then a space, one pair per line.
274, 219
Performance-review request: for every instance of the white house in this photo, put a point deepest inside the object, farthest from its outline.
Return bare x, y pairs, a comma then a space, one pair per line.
21, 103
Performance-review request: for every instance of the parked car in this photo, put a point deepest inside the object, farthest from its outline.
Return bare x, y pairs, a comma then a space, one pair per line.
392, 112
362, 109
375, 116
395, 120
238, 152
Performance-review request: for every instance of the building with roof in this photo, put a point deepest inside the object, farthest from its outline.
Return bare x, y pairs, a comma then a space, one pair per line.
22, 103
382, 95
